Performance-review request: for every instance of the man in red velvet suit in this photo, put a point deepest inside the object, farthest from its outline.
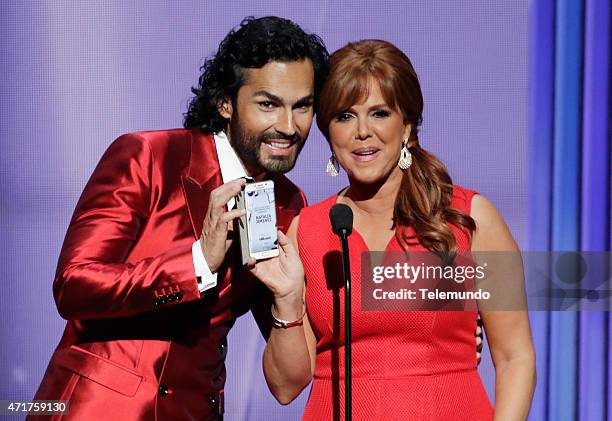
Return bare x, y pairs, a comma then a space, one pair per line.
148, 277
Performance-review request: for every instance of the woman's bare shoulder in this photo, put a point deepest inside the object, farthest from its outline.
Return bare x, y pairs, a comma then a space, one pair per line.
492, 233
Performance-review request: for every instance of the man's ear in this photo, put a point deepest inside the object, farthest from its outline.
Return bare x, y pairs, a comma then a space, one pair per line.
225, 108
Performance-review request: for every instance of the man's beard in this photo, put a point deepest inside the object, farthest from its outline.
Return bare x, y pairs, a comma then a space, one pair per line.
248, 149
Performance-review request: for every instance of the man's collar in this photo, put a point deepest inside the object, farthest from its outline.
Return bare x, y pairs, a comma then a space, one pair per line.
231, 167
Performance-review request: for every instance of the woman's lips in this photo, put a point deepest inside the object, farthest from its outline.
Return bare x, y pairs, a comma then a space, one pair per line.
365, 154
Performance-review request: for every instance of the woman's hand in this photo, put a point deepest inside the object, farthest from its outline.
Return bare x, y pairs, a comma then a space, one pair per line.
283, 275
289, 357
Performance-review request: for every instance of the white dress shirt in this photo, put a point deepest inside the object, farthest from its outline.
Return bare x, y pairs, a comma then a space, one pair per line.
231, 169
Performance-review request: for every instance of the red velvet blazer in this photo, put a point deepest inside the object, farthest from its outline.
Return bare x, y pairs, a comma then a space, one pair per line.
140, 342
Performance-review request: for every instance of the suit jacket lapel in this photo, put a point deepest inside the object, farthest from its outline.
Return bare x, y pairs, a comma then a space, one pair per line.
203, 176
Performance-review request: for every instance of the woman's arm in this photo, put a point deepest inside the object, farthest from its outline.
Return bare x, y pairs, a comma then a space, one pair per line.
508, 333
289, 356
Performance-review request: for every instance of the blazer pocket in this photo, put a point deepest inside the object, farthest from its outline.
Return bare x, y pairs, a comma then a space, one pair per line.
100, 370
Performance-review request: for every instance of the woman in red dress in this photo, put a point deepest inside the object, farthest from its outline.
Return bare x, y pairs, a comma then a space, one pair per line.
407, 365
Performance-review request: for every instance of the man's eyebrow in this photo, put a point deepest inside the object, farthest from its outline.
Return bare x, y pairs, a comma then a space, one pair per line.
269, 95
307, 100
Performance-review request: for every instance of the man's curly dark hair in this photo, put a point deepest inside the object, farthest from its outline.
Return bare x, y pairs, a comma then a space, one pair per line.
253, 44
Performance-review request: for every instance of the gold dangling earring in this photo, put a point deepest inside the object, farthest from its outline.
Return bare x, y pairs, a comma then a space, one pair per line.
333, 168
405, 160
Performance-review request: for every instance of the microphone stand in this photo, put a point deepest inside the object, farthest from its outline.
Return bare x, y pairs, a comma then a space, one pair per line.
341, 218
348, 398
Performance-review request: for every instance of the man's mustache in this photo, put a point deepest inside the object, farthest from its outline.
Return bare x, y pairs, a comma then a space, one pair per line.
280, 136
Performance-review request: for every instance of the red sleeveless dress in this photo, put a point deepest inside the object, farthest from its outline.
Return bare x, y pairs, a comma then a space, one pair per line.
407, 365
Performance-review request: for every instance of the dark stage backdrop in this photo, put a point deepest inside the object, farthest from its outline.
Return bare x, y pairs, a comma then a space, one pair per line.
75, 75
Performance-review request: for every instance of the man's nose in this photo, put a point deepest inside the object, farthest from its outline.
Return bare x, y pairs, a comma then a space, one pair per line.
286, 123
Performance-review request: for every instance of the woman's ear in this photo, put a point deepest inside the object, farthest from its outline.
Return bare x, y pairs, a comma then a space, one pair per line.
407, 131
224, 107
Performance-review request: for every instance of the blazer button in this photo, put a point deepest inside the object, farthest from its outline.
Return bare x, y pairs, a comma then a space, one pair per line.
179, 296
163, 299
171, 298
156, 301
222, 348
163, 390
212, 400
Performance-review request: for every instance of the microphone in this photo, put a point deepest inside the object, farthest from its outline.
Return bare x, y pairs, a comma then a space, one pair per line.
341, 217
